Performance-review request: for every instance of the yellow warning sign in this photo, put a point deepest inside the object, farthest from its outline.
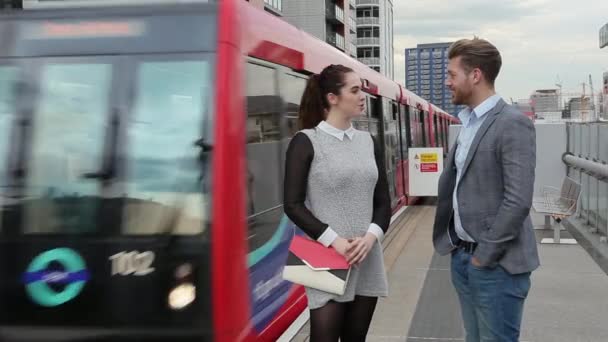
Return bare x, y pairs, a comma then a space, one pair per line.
428, 157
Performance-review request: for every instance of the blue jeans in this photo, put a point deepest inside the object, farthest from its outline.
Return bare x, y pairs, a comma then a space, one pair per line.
491, 299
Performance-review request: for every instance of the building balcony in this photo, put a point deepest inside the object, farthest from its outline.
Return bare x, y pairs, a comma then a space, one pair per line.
370, 60
352, 24
340, 41
368, 2
334, 13
366, 21
353, 3
336, 40
366, 41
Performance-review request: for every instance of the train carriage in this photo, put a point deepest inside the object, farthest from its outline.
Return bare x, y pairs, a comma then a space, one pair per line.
142, 167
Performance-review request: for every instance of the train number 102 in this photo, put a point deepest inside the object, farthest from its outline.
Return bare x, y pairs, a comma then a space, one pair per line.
132, 263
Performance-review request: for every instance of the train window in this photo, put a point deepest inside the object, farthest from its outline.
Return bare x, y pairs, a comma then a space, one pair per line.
436, 131
265, 151
414, 126
446, 125
423, 129
164, 173
405, 135
8, 77
67, 143
293, 89
426, 124
263, 105
446, 133
391, 158
263, 140
375, 107
387, 110
417, 127
442, 124
395, 110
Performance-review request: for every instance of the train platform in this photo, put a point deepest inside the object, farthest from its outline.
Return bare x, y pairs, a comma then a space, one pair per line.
567, 301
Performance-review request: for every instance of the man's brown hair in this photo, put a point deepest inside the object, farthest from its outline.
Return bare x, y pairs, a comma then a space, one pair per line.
477, 53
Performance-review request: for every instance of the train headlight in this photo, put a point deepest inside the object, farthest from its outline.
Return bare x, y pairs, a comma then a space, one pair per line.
181, 296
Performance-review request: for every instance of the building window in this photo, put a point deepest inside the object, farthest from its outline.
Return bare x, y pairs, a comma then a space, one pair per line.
368, 13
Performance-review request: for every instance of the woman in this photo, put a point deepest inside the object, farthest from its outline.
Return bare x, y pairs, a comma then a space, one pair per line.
336, 192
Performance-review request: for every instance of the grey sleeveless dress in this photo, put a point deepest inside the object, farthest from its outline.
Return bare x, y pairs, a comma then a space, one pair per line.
340, 192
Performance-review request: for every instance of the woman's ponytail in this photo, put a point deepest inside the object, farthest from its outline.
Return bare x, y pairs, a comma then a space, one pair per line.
314, 104
312, 109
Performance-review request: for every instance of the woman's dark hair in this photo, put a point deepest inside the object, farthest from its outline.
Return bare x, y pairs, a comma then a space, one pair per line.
314, 100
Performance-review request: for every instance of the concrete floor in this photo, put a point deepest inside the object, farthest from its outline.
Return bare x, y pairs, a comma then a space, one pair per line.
568, 301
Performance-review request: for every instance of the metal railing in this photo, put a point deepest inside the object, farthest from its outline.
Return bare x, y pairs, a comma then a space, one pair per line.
340, 41
336, 40
352, 24
339, 13
587, 162
368, 2
368, 21
334, 12
370, 61
368, 41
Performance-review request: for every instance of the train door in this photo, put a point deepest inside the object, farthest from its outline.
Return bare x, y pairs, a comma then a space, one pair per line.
404, 138
391, 150
266, 221
421, 128
436, 130
374, 125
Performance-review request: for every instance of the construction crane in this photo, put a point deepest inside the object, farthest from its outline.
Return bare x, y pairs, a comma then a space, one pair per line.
583, 104
592, 98
558, 83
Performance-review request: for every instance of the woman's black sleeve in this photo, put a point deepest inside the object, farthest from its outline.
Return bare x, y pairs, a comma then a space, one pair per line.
300, 154
382, 199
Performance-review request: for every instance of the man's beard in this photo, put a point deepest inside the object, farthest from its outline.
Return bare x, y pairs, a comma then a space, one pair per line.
458, 98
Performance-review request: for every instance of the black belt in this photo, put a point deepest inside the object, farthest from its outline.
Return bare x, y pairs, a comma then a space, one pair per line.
468, 247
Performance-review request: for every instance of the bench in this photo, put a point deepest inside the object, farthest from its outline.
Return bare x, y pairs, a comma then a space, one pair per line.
558, 204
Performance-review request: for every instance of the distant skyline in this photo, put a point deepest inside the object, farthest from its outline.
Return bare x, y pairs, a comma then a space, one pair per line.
539, 40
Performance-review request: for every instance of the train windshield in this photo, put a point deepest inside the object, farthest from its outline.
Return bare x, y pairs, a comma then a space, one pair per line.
107, 145
105, 124
7, 109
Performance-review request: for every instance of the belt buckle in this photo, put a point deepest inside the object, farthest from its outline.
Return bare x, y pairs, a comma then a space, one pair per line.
469, 247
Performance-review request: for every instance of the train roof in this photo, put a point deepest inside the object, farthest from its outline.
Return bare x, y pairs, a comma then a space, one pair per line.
282, 43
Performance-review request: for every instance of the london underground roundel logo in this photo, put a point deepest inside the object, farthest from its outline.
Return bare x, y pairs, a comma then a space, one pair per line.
39, 276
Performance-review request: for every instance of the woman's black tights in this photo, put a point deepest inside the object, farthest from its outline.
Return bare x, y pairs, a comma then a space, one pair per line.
347, 321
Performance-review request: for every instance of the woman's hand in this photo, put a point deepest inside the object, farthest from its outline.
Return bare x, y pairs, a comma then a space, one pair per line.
341, 245
359, 248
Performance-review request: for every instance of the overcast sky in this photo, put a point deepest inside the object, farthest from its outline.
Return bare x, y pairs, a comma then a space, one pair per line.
538, 39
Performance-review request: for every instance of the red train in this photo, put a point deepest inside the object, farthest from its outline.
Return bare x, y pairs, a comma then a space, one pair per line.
128, 155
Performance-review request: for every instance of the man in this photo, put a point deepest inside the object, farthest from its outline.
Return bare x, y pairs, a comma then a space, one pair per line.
484, 199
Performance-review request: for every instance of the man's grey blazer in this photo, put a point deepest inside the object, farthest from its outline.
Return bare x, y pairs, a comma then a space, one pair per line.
494, 193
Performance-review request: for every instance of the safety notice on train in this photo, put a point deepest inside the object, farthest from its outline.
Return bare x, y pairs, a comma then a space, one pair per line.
425, 167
